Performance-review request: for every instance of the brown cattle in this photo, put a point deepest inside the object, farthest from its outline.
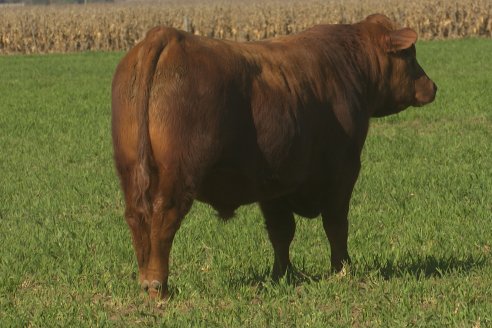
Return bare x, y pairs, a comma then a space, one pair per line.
280, 122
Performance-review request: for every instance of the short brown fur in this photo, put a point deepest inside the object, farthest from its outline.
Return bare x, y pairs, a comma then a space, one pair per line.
280, 122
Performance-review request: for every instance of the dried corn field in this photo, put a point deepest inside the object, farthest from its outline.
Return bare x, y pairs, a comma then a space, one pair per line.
44, 29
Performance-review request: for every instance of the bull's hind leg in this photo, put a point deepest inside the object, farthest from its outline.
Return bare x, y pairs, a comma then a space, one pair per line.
281, 226
137, 220
170, 205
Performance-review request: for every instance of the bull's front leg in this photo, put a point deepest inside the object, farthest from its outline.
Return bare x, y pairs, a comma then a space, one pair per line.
281, 226
335, 224
335, 215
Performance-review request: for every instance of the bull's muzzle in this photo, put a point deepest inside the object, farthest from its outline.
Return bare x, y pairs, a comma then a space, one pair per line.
425, 91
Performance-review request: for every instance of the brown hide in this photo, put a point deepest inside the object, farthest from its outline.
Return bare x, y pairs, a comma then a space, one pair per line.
281, 122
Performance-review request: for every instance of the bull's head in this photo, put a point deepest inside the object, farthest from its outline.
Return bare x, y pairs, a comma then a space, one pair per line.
405, 82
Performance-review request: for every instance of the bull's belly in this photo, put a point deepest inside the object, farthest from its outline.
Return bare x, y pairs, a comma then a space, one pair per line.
226, 190
308, 205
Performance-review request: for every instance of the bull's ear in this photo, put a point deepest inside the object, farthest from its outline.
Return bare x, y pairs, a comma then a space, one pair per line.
400, 39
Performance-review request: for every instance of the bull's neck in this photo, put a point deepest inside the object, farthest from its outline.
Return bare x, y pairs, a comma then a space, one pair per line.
350, 76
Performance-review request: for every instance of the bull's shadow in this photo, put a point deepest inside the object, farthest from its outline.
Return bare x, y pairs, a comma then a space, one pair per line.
424, 267
420, 267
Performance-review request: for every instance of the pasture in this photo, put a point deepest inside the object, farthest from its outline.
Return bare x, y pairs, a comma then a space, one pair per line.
420, 220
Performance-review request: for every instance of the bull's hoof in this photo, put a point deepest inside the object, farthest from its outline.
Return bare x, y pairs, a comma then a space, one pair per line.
156, 291
156, 284
279, 273
341, 268
145, 285
339, 263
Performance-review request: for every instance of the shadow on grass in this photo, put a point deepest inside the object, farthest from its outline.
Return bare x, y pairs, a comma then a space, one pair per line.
406, 266
255, 277
423, 267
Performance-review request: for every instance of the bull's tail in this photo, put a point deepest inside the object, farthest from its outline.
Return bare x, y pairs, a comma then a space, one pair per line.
149, 53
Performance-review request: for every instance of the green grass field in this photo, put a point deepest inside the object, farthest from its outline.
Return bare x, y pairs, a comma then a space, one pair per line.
420, 232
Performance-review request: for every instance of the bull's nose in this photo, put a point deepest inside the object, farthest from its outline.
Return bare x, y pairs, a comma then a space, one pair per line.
435, 91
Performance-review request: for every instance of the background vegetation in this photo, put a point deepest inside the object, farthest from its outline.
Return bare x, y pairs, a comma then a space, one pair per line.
420, 227
43, 29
